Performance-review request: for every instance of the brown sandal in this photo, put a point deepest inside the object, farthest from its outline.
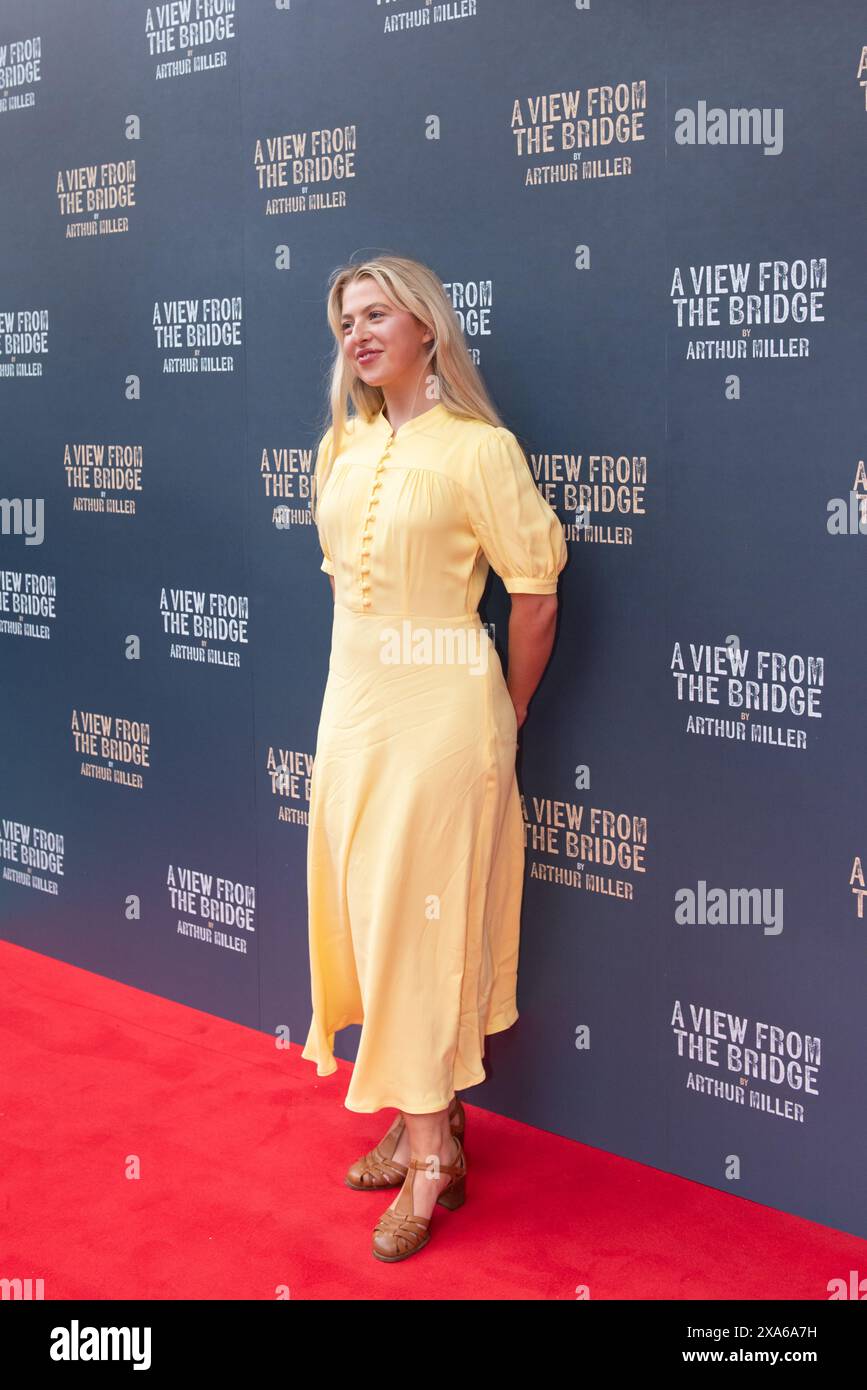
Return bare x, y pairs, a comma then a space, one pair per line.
377, 1169
399, 1232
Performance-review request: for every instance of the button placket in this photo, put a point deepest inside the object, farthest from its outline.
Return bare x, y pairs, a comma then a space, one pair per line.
367, 533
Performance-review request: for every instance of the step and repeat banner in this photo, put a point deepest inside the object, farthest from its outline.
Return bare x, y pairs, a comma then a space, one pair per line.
651, 221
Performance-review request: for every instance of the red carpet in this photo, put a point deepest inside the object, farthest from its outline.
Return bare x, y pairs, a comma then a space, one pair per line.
243, 1150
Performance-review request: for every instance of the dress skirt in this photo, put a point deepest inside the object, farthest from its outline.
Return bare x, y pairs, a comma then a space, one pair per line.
415, 857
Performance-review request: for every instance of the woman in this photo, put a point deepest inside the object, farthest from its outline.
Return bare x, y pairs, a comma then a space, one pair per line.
415, 846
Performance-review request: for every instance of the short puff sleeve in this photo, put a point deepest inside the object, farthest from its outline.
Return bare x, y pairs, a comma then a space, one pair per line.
321, 469
519, 532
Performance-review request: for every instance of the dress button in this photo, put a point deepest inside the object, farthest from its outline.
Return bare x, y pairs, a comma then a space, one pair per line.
365, 569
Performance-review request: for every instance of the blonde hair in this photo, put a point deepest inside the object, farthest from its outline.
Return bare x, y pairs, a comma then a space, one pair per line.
449, 372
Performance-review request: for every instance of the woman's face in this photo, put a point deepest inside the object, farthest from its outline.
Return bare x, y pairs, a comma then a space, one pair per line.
383, 343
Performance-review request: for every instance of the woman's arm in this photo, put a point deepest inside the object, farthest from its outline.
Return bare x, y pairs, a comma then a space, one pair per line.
331, 582
532, 622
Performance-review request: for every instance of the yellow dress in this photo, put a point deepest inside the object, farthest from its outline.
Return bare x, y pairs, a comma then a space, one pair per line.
415, 852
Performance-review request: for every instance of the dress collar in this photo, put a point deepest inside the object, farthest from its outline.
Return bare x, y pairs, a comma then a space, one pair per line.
425, 418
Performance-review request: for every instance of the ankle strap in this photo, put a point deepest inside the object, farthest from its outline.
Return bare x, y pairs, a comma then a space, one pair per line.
455, 1168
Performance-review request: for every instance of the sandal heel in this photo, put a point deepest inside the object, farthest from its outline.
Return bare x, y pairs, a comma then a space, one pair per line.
454, 1196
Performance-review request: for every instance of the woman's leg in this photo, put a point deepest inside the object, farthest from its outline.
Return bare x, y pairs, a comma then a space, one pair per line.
424, 1137
402, 1150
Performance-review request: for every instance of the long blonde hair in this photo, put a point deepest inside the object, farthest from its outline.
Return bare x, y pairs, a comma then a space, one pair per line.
449, 372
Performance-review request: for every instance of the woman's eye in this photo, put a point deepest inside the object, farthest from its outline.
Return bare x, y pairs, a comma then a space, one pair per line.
374, 314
